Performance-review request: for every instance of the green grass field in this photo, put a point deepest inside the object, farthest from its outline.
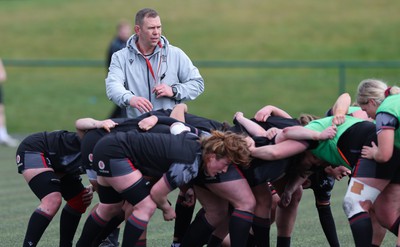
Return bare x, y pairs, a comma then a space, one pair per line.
49, 98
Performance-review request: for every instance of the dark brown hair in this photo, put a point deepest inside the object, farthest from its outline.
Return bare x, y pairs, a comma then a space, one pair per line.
143, 13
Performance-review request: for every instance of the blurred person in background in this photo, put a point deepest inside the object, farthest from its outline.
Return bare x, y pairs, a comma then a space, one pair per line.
124, 31
5, 138
150, 73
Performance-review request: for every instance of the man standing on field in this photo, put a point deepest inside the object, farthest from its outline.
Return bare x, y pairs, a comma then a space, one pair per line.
150, 73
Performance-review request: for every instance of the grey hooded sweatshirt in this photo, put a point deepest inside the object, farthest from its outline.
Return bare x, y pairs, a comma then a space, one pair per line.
129, 74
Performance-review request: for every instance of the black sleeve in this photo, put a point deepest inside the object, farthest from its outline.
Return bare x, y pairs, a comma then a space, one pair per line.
312, 144
169, 121
166, 120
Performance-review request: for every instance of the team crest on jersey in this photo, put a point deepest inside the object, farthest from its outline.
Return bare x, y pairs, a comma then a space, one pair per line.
101, 165
90, 157
18, 160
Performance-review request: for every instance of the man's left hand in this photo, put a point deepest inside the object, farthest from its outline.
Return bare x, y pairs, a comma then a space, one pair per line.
163, 90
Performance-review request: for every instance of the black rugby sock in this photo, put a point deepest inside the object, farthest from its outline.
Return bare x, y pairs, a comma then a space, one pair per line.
113, 236
36, 227
183, 218
134, 227
199, 231
328, 224
92, 228
361, 228
214, 241
261, 228
69, 222
283, 242
239, 227
251, 241
111, 230
395, 227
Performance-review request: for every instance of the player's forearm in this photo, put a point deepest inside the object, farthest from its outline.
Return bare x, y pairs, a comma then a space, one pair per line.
300, 133
265, 153
159, 194
275, 111
341, 105
179, 112
87, 123
252, 127
84, 124
294, 183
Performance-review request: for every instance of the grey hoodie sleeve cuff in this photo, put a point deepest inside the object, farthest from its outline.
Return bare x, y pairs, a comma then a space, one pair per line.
127, 98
